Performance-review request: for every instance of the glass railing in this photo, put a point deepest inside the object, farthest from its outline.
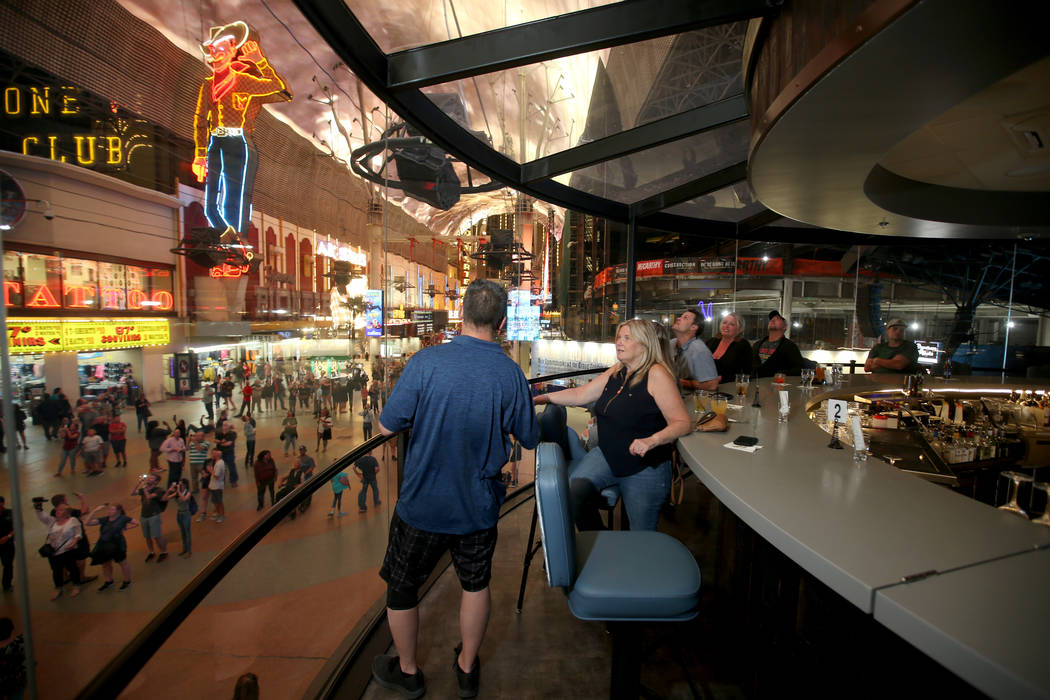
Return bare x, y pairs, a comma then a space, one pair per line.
294, 599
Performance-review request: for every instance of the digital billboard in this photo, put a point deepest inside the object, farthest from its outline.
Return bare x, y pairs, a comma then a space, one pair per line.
374, 313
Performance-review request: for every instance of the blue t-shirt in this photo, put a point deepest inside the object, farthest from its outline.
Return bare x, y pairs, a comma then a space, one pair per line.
462, 400
337, 482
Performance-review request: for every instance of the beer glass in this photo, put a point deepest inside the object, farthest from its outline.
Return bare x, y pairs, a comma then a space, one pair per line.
742, 382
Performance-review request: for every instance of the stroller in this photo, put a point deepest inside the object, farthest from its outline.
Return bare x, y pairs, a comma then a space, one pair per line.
289, 484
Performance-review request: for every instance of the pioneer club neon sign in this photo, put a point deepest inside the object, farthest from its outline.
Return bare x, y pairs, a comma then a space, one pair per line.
62, 103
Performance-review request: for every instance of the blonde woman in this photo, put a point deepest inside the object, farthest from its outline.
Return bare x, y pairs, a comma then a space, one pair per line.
640, 414
731, 352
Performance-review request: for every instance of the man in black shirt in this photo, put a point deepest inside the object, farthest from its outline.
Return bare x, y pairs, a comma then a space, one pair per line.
7, 544
153, 504
777, 353
367, 467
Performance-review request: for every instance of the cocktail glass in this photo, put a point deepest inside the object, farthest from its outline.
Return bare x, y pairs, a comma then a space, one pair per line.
1014, 484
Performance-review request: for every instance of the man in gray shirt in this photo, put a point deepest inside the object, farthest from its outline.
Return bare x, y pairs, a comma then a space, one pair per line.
691, 357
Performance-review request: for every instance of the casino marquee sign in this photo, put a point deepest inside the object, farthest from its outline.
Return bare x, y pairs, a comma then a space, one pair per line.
29, 336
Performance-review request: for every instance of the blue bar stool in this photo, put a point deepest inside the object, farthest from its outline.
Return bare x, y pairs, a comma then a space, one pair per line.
623, 578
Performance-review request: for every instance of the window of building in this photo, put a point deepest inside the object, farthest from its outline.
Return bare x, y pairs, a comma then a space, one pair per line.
112, 286
13, 293
80, 283
42, 281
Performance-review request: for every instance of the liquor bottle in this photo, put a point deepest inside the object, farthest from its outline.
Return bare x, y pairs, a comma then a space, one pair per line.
947, 369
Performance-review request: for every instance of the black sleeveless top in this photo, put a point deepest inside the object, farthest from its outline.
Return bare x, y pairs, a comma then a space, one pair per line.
626, 413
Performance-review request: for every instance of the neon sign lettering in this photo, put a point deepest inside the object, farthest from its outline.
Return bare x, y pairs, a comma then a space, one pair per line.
44, 299
111, 148
81, 297
338, 252
162, 300
39, 101
706, 310
228, 271
9, 287
87, 149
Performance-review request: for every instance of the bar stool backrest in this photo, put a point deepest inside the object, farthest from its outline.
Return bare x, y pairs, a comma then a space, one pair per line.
556, 526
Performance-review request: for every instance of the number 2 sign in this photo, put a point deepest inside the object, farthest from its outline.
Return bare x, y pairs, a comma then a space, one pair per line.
837, 411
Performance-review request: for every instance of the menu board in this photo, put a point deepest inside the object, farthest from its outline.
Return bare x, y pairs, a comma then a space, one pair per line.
35, 336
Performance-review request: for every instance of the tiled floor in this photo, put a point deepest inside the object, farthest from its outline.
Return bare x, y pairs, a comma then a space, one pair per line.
279, 614
545, 652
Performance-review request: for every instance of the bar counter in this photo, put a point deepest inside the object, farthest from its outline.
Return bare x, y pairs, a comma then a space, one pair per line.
915, 555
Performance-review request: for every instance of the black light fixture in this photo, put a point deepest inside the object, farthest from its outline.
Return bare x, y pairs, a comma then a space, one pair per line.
207, 247
501, 251
424, 170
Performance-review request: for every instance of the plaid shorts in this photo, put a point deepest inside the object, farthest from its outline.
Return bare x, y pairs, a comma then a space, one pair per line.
411, 555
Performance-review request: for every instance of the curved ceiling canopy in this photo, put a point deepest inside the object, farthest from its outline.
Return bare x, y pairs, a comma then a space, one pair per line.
639, 109
893, 134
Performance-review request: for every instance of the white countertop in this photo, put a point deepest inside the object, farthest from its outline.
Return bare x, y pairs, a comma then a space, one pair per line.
986, 623
857, 527
861, 528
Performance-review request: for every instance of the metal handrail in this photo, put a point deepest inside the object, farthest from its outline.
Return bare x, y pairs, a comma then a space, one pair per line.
115, 675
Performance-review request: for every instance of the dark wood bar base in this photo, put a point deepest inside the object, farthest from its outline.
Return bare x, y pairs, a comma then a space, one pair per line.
791, 634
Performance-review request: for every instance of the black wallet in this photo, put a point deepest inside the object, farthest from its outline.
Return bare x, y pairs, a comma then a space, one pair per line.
746, 441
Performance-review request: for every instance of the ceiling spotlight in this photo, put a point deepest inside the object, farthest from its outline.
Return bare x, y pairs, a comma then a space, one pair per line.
725, 313
1010, 324
765, 258
914, 325
796, 324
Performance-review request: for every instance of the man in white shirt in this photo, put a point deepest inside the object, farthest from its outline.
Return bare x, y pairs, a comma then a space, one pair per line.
216, 484
91, 450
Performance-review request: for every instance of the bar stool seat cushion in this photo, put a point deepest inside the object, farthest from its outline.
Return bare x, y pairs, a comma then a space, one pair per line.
634, 576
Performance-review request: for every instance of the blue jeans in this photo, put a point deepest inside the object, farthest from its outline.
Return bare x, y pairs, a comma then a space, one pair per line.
643, 493
142, 420
71, 455
364, 493
232, 164
183, 518
231, 467
289, 443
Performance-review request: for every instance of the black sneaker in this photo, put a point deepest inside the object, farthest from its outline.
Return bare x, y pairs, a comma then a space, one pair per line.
105, 585
124, 586
468, 682
386, 670
151, 557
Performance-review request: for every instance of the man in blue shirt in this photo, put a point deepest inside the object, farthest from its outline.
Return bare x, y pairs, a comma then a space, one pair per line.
463, 401
692, 359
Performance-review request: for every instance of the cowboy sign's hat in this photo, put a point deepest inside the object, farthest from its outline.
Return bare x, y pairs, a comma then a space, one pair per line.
234, 31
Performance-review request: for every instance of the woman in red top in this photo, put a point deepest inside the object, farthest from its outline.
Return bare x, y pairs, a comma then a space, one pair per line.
69, 434
118, 438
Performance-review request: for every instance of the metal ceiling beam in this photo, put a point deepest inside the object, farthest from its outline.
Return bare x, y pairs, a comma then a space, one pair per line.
337, 25
690, 190
756, 221
624, 143
565, 35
